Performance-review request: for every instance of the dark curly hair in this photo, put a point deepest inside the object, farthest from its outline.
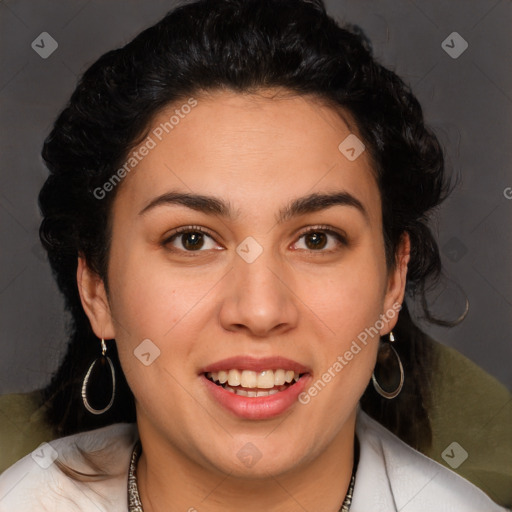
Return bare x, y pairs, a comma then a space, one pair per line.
242, 46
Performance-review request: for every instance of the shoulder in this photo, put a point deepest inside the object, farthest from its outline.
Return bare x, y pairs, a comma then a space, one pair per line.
36, 482
393, 476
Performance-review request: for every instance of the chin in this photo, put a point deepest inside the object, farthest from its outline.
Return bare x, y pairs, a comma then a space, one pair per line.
257, 458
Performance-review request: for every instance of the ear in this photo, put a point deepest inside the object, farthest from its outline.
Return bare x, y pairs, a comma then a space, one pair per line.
94, 300
397, 279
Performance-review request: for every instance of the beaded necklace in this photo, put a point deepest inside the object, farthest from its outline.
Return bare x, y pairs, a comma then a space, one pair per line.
135, 505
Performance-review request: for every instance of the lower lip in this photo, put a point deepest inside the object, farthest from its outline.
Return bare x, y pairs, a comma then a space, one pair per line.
260, 407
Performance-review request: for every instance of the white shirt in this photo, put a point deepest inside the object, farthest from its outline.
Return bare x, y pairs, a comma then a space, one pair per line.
391, 476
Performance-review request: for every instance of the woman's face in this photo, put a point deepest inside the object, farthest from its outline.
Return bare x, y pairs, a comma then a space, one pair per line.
245, 288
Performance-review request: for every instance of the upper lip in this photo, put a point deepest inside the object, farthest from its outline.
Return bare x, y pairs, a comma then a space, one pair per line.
255, 364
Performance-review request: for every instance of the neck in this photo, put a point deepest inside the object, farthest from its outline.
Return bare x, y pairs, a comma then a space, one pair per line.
169, 480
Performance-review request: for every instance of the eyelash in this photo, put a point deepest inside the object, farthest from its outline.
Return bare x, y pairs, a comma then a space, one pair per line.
316, 229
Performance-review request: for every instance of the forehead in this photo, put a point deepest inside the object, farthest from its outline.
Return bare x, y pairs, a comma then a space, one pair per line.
248, 147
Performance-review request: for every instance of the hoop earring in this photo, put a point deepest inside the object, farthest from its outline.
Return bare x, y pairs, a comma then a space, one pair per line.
86, 381
390, 394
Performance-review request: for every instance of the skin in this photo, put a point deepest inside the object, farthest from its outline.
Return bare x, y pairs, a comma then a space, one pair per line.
198, 307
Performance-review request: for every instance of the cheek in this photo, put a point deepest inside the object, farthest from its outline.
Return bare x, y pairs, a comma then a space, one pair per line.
149, 295
168, 305
154, 337
350, 303
353, 294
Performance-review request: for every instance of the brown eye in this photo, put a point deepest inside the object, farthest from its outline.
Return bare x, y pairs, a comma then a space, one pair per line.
189, 239
192, 240
317, 239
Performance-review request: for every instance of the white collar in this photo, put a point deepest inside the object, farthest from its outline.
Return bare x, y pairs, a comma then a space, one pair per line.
391, 476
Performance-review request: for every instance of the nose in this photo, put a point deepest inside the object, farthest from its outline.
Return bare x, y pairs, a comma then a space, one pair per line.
260, 297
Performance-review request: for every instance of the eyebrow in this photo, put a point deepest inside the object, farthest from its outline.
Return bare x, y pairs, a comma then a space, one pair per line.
211, 205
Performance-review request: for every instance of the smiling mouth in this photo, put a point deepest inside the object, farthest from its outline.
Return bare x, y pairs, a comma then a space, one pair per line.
254, 384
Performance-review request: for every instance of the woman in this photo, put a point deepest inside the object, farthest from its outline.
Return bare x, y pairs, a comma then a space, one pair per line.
236, 208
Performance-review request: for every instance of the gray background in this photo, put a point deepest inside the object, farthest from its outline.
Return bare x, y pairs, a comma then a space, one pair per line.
467, 100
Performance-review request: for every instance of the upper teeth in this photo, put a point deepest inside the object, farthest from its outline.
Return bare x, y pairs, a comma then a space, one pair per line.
266, 379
